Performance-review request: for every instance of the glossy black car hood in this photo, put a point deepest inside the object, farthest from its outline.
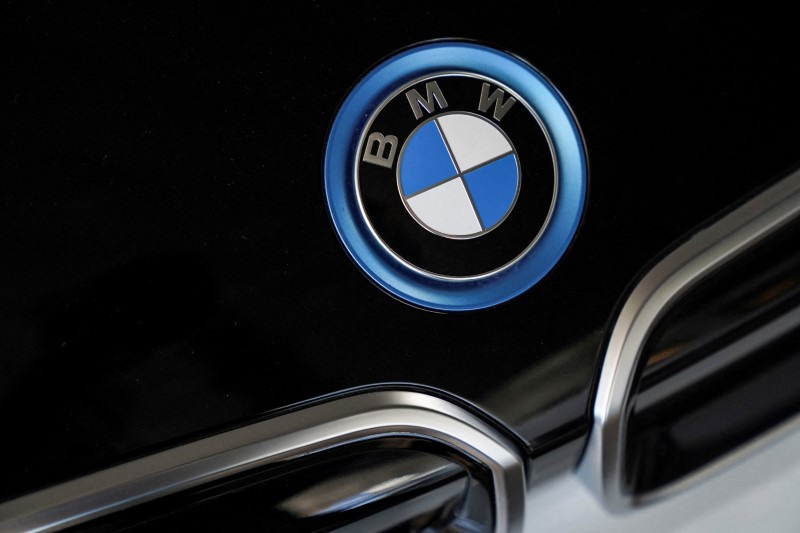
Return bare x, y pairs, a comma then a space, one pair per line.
169, 266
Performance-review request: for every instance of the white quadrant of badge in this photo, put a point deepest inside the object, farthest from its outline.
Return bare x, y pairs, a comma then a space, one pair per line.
458, 175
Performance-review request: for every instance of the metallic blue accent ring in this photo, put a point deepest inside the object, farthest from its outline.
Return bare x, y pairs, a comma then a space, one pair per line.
386, 270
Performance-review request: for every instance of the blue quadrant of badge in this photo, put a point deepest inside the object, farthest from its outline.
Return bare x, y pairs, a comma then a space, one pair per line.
425, 161
493, 188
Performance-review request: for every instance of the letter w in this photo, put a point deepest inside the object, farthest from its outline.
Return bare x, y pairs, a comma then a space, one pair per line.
500, 108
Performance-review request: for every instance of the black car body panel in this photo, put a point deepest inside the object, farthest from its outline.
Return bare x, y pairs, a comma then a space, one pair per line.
169, 268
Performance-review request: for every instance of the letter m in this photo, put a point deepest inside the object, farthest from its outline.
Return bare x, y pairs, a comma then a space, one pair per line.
433, 96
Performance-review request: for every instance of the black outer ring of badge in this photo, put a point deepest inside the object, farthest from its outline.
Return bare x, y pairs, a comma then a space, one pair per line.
381, 264
435, 254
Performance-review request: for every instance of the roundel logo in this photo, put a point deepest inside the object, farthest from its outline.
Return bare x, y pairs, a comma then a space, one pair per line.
455, 175
458, 175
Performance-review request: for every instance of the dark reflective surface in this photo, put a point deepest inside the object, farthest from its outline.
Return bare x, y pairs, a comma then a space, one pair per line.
168, 263
722, 366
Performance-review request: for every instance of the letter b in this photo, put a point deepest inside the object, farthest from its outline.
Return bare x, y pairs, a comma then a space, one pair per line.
376, 155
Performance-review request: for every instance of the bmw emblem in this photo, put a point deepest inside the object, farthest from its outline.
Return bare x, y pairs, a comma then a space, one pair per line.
455, 175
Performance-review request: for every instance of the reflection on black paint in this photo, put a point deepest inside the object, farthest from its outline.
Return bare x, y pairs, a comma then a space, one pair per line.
139, 306
144, 355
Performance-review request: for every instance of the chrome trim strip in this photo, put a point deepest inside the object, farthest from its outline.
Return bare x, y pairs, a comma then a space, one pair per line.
705, 252
309, 430
756, 492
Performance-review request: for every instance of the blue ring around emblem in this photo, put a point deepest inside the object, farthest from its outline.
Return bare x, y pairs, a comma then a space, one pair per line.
392, 274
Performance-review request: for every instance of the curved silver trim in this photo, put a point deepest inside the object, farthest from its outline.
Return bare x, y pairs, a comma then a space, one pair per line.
704, 253
309, 430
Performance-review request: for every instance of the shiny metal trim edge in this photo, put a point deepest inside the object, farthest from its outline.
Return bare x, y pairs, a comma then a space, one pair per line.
309, 430
706, 251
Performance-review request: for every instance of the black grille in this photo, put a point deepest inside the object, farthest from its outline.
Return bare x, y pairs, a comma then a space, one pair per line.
720, 368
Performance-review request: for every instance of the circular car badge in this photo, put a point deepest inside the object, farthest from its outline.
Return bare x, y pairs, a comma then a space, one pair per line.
455, 175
